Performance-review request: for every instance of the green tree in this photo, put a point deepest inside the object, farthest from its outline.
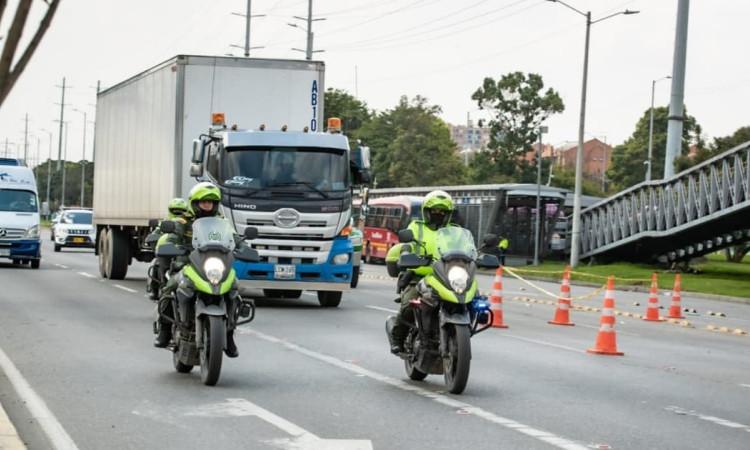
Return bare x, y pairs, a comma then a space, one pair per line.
628, 166
411, 146
72, 183
565, 178
352, 112
518, 105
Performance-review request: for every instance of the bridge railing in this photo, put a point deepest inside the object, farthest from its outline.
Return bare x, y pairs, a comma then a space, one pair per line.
709, 190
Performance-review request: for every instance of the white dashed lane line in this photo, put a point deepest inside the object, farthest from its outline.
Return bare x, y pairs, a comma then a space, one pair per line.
84, 274
132, 291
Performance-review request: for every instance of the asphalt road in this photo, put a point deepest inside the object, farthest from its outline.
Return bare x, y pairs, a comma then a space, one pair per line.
309, 377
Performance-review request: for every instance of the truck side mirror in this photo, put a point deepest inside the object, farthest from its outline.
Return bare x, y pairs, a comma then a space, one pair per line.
197, 151
196, 170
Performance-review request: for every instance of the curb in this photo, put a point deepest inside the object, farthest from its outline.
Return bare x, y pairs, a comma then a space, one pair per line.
9, 439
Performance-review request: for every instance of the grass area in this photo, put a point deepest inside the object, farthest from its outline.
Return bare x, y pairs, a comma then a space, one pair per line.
44, 222
714, 275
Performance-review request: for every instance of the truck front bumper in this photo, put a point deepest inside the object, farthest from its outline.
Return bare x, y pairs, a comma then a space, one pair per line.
21, 249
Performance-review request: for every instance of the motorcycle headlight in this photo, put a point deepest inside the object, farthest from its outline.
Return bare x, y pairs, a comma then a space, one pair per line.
32, 232
214, 269
459, 278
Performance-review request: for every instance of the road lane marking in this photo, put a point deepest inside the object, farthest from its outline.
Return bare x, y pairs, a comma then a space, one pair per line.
382, 309
541, 435
132, 291
713, 419
37, 407
61, 266
301, 438
745, 385
84, 274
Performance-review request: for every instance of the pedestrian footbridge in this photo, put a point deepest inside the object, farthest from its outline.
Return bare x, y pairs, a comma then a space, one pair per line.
698, 211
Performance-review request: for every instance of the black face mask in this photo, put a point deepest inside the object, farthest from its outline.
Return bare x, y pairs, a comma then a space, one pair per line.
436, 219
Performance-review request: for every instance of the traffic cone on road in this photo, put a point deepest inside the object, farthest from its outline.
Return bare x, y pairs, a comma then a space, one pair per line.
496, 300
562, 313
606, 340
652, 312
675, 310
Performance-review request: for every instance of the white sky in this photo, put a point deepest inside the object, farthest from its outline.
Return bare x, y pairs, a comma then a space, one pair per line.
440, 49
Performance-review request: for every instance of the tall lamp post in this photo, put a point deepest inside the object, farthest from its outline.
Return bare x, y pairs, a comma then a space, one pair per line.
83, 158
49, 165
542, 129
651, 129
576, 238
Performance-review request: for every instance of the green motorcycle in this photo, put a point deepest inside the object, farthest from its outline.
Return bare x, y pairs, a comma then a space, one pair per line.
207, 303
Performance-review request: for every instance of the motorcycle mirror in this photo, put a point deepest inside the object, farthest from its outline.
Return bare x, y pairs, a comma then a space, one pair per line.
247, 254
411, 261
488, 262
490, 239
153, 223
250, 233
169, 251
167, 226
405, 236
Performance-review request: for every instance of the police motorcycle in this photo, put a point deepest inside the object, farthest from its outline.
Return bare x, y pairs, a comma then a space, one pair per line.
448, 310
156, 273
206, 302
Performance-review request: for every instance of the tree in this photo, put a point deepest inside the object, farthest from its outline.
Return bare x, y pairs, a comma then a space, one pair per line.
628, 168
10, 73
352, 111
72, 183
518, 106
411, 146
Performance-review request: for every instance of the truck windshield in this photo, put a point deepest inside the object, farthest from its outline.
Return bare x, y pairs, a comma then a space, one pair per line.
322, 169
17, 201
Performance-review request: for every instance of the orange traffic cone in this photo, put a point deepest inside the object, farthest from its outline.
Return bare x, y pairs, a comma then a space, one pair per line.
562, 313
606, 340
652, 312
496, 300
675, 310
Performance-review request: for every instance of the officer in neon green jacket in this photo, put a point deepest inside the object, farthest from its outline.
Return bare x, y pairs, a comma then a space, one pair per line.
436, 213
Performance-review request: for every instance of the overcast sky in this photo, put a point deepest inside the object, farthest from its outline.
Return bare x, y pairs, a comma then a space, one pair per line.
440, 49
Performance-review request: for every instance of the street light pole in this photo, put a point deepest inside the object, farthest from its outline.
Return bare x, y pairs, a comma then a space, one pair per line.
65, 156
83, 158
49, 166
542, 129
576, 232
651, 129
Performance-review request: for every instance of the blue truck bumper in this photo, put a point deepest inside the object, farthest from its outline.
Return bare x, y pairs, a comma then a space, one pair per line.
327, 276
21, 249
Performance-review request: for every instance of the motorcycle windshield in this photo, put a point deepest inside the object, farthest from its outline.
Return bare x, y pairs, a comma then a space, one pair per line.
213, 231
456, 242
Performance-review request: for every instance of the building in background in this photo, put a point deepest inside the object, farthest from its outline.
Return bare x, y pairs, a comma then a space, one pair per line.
597, 157
469, 139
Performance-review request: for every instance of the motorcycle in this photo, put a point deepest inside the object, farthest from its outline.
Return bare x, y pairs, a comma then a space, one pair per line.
207, 302
448, 311
156, 273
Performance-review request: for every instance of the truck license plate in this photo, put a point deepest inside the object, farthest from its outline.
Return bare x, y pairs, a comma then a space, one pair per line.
79, 240
4, 252
284, 272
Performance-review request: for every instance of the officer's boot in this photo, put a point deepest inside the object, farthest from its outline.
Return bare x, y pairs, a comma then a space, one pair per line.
397, 332
164, 333
231, 348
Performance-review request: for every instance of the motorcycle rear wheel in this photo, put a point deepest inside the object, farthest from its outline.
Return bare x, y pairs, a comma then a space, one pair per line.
411, 371
458, 362
214, 331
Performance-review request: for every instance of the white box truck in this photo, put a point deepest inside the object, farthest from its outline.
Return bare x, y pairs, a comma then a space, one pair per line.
153, 143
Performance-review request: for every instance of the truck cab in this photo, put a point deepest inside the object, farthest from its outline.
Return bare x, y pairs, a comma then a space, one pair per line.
295, 187
19, 216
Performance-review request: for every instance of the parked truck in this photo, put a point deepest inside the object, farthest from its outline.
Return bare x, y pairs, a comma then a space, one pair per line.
277, 170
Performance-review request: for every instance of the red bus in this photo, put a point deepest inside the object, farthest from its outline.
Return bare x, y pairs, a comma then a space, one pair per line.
385, 217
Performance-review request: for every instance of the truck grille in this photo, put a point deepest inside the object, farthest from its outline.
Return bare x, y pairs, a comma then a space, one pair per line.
269, 223
11, 233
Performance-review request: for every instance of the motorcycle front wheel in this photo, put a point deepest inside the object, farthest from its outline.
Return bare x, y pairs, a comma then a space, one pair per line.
213, 332
458, 361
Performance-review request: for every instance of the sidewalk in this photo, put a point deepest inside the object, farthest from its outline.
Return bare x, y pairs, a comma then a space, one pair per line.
9, 439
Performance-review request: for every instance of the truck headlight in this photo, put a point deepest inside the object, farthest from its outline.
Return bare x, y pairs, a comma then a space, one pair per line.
32, 232
214, 269
341, 259
458, 277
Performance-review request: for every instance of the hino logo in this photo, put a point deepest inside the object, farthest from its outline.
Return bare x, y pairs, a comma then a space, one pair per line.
244, 206
3, 232
286, 218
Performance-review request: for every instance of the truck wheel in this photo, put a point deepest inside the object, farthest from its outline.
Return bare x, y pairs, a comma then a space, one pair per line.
328, 299
355, 277
35, 263
119, 254
103, 252
282, 293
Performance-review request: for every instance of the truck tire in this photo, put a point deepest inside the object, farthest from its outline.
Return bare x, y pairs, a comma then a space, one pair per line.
35, 263
329, 299
103, 252
355, 277
119, 255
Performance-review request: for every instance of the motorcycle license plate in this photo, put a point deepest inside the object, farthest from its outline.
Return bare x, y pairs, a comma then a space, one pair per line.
79, 240
4, 252
284, 272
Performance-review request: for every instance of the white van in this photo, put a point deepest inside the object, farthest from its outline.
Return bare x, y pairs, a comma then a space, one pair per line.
19, 216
